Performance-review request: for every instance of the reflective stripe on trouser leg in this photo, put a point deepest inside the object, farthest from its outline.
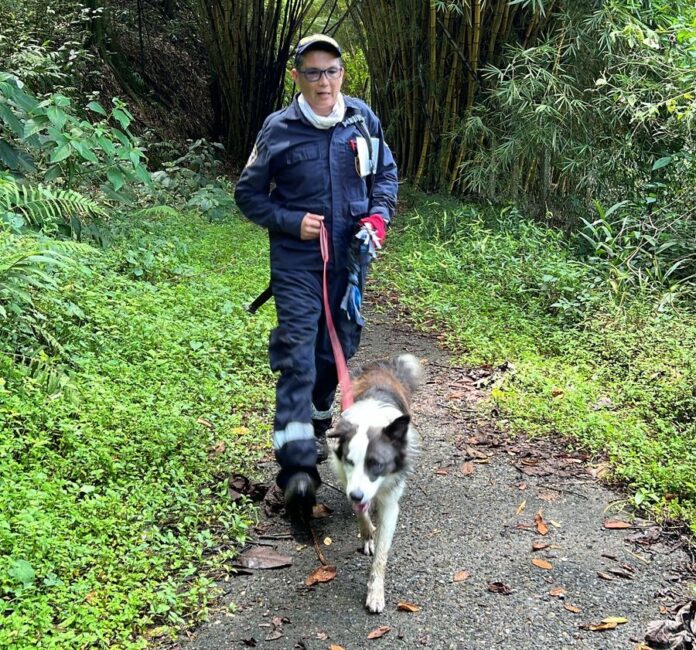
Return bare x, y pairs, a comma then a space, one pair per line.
293, 432
295, 450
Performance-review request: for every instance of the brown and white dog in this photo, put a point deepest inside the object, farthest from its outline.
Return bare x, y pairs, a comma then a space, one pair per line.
376, 448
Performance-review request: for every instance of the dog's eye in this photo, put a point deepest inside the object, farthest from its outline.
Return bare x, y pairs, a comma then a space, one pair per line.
376, 466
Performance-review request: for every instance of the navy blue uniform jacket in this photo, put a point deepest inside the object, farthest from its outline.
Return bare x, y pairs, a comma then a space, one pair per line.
296, 168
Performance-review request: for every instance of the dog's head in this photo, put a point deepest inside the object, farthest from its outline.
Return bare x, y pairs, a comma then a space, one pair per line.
368, 455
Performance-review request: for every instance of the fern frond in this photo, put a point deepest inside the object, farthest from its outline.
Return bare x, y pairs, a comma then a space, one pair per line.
39, 204
23, 264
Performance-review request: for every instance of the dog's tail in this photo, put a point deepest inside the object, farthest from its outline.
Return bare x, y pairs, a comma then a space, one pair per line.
408, 371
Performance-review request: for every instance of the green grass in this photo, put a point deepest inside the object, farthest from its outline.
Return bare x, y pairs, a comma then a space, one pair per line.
114, 507
114, 510
619, 381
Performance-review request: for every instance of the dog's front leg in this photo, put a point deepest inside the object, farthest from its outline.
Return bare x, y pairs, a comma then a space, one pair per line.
367, 533
387, 516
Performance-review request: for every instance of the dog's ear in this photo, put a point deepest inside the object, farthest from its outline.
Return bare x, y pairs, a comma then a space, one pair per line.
398, 428
341, 430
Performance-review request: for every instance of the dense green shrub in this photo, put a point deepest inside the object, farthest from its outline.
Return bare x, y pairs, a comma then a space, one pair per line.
608, 366
114, 488
45, 139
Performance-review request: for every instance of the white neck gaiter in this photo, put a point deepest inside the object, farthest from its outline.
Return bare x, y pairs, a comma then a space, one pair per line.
323, 121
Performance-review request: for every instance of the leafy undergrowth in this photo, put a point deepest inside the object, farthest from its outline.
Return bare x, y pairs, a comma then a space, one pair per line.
114, 506
616, 380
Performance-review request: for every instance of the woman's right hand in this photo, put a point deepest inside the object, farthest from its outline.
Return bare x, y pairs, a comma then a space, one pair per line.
311, 226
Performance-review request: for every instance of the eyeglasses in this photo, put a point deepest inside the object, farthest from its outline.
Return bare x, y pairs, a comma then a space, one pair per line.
314, 74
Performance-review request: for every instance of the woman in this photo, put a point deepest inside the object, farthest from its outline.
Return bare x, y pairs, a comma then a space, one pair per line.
329, 165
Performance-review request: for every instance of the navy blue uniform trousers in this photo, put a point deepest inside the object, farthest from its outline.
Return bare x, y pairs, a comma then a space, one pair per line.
300, 349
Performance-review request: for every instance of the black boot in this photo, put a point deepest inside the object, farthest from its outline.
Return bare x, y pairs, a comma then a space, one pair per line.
300, 496
320, 429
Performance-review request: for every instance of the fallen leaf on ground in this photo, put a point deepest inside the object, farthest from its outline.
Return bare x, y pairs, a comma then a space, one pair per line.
239, 485
616, 523
572, 608
606, 624
204, 422
548, 495
471, 452
262, 557
321, 574
622, 573
378, 632
555, 524
539, 546
541, 526
619, 620
675, 632
645, 537
558, 592
598, 627
157, 632
599, 471
218, 448
320, 510
521, 507
533, 468
408, 607
604, 576
441, 471
467, 468
460, 576
499, 588
542, 564
336, 647
522, 486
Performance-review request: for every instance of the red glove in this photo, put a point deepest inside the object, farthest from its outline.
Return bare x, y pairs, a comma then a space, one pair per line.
376, 222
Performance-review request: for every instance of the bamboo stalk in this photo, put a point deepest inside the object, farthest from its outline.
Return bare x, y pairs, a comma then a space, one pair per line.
431, 89
446, 148
498, 14
530, 28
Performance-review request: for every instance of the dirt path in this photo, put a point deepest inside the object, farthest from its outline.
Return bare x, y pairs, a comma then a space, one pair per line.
482, 522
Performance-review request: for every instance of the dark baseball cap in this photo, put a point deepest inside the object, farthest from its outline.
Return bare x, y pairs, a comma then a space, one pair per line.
317, 42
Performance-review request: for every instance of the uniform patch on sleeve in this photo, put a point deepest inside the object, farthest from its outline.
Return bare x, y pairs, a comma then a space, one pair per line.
252, 157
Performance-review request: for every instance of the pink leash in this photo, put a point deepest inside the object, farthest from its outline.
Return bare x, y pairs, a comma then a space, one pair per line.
341, 365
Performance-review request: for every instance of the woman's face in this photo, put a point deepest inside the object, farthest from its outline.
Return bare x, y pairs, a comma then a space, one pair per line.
320, 95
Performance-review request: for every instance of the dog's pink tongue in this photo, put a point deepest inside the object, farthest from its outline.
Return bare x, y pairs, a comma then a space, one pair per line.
361, 508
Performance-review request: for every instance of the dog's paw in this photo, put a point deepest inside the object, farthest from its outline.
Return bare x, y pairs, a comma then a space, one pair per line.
375, 599
367, 533
369, 546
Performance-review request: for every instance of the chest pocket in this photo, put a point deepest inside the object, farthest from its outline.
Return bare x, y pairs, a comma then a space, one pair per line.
302, 154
